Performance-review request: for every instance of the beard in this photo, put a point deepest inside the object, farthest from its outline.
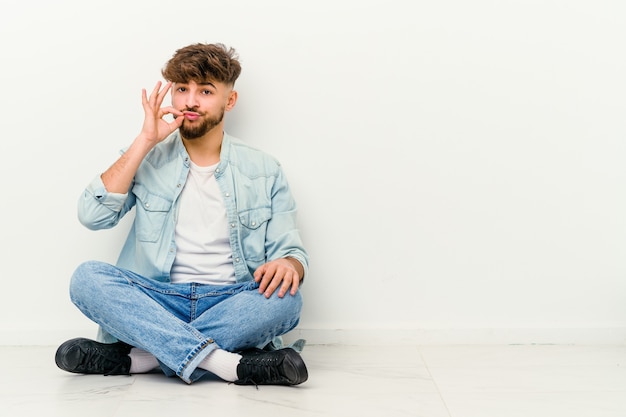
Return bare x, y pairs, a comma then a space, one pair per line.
189, 131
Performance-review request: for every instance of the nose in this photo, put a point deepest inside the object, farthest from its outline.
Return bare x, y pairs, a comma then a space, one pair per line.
190, 100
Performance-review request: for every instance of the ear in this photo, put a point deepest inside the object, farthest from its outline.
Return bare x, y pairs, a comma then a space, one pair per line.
232, 100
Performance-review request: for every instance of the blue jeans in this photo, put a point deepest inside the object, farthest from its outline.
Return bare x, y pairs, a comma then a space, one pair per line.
180, 324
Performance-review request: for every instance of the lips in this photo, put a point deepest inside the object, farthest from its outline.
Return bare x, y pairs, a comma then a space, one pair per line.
190, 115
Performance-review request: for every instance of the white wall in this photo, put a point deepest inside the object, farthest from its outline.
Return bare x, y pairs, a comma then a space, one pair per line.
458, 164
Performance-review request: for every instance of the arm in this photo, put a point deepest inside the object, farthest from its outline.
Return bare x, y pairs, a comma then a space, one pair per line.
289, 260
118, 178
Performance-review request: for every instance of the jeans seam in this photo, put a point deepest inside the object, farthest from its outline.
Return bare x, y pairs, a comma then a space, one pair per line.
193, 360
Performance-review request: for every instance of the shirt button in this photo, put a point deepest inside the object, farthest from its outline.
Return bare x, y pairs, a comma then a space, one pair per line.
232, 225
147, 205
237, 259
253, 223
227, 194
178, 185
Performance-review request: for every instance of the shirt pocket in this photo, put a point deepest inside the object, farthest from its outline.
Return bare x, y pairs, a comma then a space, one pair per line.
152, 213
253, 230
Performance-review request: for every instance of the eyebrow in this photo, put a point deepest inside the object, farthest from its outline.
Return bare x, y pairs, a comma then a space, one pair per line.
209, 84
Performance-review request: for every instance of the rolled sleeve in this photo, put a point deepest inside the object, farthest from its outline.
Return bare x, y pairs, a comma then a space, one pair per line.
100, 209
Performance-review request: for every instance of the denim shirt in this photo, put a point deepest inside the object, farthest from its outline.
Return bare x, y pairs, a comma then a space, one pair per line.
260, 209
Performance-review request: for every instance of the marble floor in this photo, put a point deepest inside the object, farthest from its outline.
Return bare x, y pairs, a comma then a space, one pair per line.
432, 381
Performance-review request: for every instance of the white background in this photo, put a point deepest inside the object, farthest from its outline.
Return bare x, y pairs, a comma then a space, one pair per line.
459, 165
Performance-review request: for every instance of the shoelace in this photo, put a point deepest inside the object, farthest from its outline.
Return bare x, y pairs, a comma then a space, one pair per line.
246, 381
99, 360
259, 370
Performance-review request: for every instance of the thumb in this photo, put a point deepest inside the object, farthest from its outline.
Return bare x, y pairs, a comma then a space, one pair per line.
177, 122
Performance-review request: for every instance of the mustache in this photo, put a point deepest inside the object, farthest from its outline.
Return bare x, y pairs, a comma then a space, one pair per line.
193, 110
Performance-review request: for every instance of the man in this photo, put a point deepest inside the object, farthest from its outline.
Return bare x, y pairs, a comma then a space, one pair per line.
211, 269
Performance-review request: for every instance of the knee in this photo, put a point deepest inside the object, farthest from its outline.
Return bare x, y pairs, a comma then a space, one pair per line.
294, 303
285, 309
85, 281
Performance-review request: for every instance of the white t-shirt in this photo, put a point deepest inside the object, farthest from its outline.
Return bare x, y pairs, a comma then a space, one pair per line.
203, 246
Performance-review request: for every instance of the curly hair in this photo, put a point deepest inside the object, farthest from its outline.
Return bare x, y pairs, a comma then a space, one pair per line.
203, 63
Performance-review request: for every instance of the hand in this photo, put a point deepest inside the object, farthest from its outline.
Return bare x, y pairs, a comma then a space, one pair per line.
155, 128
278, 273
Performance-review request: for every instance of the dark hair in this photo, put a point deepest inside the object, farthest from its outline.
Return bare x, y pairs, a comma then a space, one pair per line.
203, 63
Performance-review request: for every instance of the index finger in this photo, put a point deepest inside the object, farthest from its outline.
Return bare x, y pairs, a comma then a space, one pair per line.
163, 92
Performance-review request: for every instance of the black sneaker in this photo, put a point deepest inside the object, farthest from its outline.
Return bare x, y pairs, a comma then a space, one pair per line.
84, 356
277, 367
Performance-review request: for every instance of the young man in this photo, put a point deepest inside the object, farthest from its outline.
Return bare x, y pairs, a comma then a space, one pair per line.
210, 271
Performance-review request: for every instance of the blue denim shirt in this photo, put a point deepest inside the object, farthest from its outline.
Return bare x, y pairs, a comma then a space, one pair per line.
260, 209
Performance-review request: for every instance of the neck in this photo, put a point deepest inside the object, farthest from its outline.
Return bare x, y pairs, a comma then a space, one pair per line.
205, 150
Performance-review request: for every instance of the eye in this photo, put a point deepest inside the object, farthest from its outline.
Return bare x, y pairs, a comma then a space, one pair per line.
181, 89
207, 92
